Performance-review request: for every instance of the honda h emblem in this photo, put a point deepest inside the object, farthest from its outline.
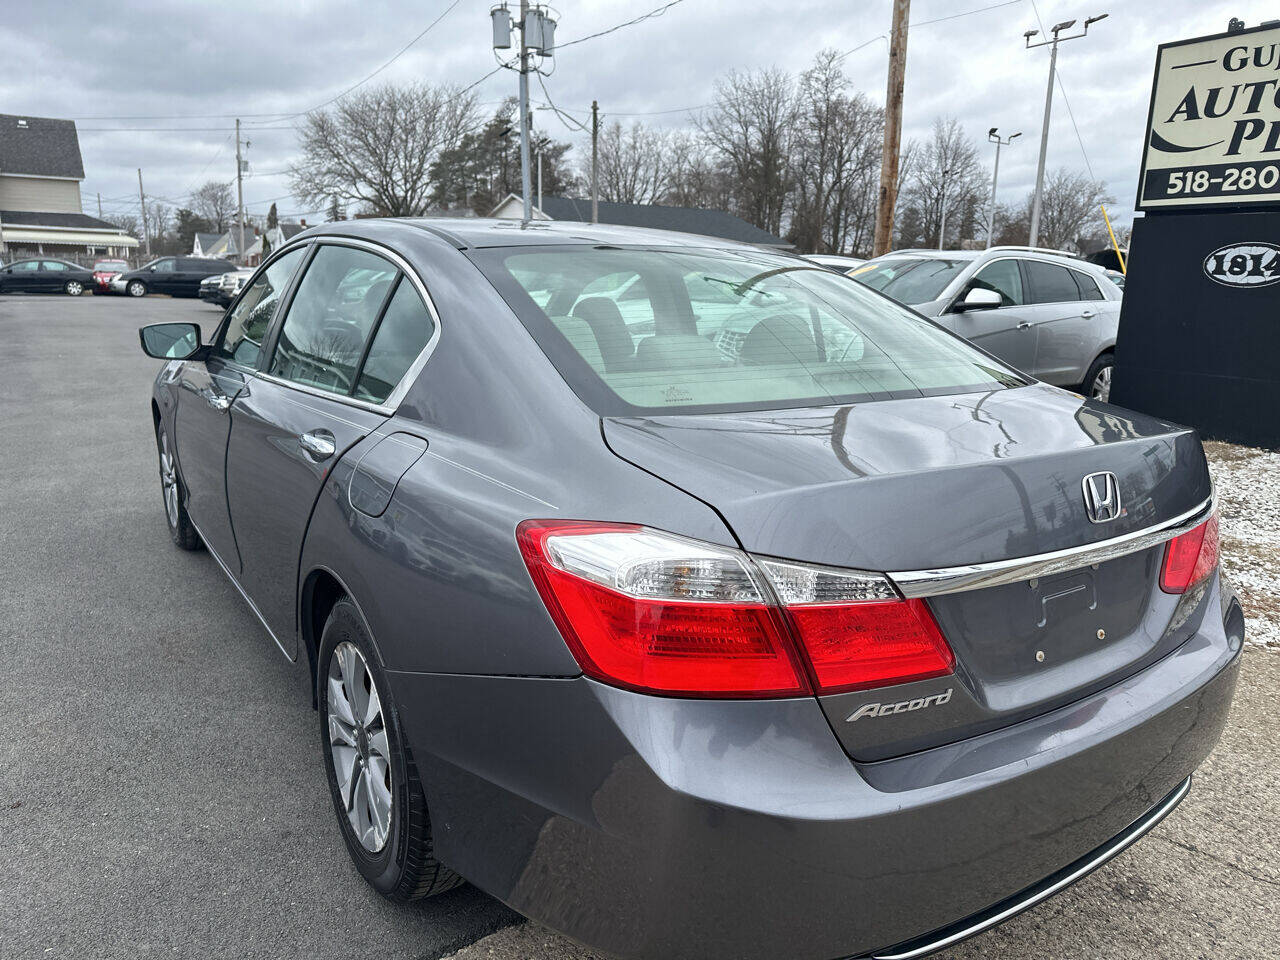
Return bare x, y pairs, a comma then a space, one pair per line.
1101, 496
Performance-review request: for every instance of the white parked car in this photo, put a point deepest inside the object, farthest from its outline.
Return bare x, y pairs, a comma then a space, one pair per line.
834, 262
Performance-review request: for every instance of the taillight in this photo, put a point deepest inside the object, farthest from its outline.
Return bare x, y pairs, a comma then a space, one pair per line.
659, 613
1190, 558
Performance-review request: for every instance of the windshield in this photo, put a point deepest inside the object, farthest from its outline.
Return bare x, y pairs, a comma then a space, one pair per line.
706, 330
909, 280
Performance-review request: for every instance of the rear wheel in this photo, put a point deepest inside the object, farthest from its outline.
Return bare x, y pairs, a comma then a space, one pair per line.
136, 288
1097, 382
374, 784
181, 528
74, 288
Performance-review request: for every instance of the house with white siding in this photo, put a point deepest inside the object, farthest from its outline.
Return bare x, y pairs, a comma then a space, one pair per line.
40, 175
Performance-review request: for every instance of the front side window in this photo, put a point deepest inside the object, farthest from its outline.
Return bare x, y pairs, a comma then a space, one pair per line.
909, 280
26, 265
779, 334
403, 333
1004, 278
331, 317
1051, 283
164, 266
248, 322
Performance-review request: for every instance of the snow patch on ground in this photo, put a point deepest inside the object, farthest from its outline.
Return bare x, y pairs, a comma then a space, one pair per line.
1248, 484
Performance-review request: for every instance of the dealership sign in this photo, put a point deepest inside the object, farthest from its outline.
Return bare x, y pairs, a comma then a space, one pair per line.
1213, 131
1244, 265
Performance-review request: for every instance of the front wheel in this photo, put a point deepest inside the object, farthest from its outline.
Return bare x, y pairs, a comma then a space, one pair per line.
374, 784
181, 529
1097, 382
136, 288
74, 288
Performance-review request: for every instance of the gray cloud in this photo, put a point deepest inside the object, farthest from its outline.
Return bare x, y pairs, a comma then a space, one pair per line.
203, 63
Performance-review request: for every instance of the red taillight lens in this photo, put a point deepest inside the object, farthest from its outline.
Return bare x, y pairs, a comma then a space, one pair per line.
1190, 558
871, 643
661, 614
705, 629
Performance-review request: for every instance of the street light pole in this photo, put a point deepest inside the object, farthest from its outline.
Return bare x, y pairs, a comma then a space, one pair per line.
942, 227
1048, 107
994, 137
595, 162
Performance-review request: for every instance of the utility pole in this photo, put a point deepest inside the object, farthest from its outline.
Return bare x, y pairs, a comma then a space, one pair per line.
99, 204
994, 137
525, 186
595, 162
239, 194
146, 232
1048, 107
888, 198
539, 179
942, 227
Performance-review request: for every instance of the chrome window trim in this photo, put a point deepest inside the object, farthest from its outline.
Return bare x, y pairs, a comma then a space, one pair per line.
934, 583
1127, 838
389, 406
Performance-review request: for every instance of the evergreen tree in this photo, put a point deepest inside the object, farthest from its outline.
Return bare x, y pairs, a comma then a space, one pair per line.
273, 218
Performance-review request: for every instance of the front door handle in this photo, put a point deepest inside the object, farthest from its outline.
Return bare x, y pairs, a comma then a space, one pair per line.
1024, 325
219, 402
318, 444
1086, 314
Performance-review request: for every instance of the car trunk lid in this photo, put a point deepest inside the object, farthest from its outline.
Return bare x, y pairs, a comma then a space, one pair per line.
939, 482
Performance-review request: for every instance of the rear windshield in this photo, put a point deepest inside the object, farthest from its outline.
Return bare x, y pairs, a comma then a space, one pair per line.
909, 280
649, 330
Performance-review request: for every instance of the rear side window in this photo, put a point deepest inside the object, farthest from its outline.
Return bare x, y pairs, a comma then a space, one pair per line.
1088, 288
54, 265
248, 322
403, 332
1051, 283
731, 330
331, 317
1004, 278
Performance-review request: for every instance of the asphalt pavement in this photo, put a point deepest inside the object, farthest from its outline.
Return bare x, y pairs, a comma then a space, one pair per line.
161, 788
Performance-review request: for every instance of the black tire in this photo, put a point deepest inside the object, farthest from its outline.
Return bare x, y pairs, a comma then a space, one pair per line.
73, 288
136, 288
181, 529
405, 868
1094, 387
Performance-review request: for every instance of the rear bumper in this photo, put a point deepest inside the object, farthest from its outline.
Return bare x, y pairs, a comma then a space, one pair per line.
650, 827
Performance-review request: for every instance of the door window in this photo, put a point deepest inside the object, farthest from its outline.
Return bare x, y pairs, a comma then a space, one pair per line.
54, 265
1004, 278
1088, 289
26, 265
331, 317
1051, 283
164, 266
248, 322
403, 332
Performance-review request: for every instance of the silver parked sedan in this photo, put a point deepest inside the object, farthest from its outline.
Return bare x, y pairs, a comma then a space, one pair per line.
1046, 313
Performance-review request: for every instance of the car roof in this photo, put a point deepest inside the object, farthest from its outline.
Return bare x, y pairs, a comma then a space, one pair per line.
474, 232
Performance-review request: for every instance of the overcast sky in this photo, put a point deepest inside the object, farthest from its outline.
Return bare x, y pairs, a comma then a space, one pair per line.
196, 66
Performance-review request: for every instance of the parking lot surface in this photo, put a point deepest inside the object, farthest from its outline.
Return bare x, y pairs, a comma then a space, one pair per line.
162, 793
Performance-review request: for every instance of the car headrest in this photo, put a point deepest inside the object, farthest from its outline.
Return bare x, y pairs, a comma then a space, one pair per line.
779, 339
679, 351
610, 331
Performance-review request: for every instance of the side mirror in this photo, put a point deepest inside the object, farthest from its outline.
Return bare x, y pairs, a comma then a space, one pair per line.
152, 269
170, 341
979, 298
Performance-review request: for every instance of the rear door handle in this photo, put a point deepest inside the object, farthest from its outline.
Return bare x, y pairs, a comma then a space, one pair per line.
1086, 313
318, 444
1024, 325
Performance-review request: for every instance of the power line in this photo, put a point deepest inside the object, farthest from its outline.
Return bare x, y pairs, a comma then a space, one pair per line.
956, 16
656, 12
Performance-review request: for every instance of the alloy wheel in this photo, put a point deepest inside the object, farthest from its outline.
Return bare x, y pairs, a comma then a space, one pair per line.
358, 743
168, 481
75, 288
137, 289
1100, 389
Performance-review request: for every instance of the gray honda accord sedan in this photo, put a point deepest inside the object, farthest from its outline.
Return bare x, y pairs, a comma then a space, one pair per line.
691, 598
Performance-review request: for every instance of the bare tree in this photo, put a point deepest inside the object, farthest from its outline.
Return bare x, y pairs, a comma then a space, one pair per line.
376, 148
944, 170
634, 163
216, 202
1071, 207
836, 161
751, 128
694, 176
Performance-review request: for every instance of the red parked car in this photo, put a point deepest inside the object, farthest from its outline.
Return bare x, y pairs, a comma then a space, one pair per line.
103, 271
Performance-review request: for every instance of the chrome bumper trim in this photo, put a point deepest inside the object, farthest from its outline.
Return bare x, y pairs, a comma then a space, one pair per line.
1041, 892
932, 583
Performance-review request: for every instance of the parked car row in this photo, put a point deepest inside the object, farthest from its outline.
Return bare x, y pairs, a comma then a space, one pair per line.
176, 276
221, 288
